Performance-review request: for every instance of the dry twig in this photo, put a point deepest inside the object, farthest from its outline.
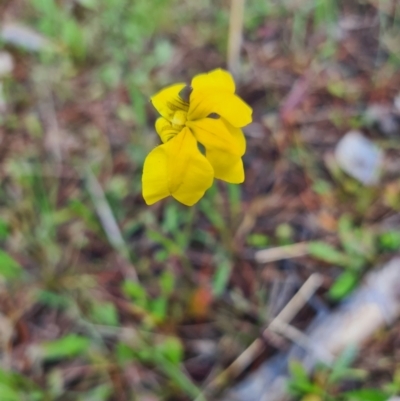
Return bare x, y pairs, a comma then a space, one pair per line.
282, 252
280, 325
107, 218
235, 35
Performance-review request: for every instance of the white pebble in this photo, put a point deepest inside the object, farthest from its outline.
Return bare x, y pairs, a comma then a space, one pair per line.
359, 157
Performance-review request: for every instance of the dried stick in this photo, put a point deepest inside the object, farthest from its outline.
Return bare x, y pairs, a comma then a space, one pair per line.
107, 219
282, 252
235, 35
373, 305
278, 324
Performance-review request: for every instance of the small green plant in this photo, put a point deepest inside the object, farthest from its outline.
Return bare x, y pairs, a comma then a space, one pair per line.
358, 249
15, 387
154, 308
326, 383
258, 240
60, 24
70, 346
389, 240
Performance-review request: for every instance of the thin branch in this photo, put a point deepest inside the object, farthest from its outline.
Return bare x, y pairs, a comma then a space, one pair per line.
279, 324
235, 38
107, 218
282, 252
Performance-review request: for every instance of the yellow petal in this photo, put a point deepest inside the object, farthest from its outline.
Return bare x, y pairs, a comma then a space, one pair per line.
227, 105
238, 137
226, 167
168, 101
165, 129
216, 79
191, 172
177, 168
216, 134
155, 177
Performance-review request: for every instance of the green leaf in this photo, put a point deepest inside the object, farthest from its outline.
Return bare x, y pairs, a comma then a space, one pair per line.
91, 4
135, 292
322, 187
100, 393
9, 394
258, 240
80, 210
211, 212
164, 241
297, 371
171, 218
390, 241
47, 8
52, 299
139, 104
328, 253
299, 382
343, 285
11, 383
367, 395
346, 358
234, 196
171, 348
105, 313
178, 377
74, 38
358, 242
9, 268
284, 233
163, 51
341, 367
158, 308
125, 353
161, 255
167, 283
222, 275
69, 346
3, 229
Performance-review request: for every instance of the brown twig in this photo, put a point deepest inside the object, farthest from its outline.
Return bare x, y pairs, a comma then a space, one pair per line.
282, 252
107, 218
280, 325
235, 35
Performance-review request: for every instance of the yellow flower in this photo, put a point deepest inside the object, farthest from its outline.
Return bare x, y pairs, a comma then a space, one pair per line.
207, 113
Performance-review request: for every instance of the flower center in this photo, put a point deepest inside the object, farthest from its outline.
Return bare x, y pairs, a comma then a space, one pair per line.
179, 118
